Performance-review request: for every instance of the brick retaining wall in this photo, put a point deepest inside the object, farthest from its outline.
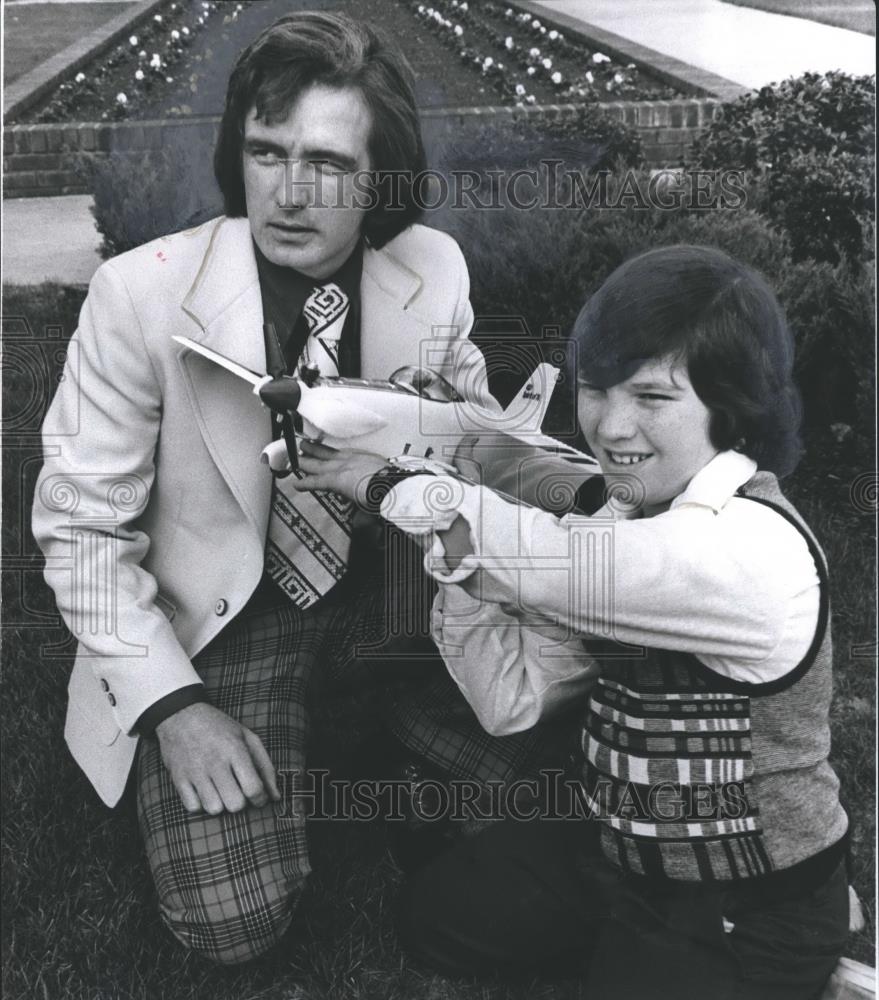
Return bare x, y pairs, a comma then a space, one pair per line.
41, 160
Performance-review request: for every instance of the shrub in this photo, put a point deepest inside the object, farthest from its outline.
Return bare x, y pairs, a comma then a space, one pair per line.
589, 139
539, 267
140, 196
807, 144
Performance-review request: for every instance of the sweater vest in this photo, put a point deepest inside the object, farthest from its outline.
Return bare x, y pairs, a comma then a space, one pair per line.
695, 777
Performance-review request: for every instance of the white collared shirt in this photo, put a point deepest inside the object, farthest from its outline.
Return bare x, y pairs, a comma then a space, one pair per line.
716, 575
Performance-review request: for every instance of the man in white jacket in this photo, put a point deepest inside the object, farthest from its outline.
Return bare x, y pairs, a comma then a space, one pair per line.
153, 508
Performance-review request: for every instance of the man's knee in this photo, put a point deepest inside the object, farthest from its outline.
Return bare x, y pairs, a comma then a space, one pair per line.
229, 930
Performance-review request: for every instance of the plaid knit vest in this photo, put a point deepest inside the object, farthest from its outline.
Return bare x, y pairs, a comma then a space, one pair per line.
696, 777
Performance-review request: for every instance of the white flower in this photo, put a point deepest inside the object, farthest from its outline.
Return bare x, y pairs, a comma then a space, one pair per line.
79, 78
121, 99
520, 90
157, 18
589, 77
464, 6
546, 63
133, 41
142, 54
531, 99
553, 36
508, 12
508, 43
542, 30
239, 6
156, 61
185, 31
487, 63
556, 78
175, 36
531, 71
205, 5
534, 53
619, 78
169, 79
600, 57
138, 74
608, 86
631, 66
459, 30
535, 24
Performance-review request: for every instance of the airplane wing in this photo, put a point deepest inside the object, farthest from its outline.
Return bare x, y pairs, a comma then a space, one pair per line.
232, 366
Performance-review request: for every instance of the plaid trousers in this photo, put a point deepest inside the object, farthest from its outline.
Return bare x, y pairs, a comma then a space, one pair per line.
228, 885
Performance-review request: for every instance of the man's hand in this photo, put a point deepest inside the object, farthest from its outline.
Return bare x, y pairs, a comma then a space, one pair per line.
215, 763
347, 472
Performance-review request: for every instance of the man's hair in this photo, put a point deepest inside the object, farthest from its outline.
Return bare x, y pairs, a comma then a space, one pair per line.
304, 49
698, 306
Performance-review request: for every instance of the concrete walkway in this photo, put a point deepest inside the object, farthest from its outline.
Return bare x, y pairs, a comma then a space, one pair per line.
49, 239
750, 47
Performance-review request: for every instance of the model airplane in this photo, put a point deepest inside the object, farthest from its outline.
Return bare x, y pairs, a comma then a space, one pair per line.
415, 417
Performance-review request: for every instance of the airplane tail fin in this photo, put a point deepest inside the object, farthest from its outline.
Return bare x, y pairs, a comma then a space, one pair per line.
527, 409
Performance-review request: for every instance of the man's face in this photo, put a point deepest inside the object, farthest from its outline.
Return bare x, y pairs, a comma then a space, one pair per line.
299, 179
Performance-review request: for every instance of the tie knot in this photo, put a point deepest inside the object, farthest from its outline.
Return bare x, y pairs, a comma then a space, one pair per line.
324, 306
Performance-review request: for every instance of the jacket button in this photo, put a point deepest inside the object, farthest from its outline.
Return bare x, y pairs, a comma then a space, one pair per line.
221, 607
111, 699
104, 685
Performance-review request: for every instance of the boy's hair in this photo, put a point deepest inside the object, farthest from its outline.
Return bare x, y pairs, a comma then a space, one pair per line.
301, 50
697, 305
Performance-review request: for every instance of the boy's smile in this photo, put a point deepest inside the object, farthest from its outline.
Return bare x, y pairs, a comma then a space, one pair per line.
652, 426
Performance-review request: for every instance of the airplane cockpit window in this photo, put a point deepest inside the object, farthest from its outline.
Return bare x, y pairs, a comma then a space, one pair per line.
426, 383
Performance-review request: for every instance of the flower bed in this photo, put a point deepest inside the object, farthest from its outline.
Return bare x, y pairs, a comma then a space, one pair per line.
463, 54
529, 62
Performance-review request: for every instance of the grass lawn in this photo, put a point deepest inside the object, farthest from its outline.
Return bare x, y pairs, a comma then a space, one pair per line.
857, 15
79, 916
36, 32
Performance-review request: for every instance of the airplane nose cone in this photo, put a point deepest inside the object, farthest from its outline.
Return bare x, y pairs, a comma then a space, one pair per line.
282, 394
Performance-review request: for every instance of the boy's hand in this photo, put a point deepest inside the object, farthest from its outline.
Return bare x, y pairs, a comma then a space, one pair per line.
343, 471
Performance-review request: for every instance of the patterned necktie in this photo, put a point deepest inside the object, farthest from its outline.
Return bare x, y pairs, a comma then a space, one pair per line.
310, 533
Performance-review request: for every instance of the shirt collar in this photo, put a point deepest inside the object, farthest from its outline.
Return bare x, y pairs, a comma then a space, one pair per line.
711, 487
347, 277
716, 482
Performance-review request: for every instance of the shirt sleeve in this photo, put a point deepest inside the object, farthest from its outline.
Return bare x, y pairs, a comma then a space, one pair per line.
165, 707
687, 579
512, 671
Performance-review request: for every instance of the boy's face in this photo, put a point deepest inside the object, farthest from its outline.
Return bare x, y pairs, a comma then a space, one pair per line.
299, 175
653, 427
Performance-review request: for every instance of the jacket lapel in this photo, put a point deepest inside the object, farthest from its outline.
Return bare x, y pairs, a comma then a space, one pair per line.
225, 302
390, 320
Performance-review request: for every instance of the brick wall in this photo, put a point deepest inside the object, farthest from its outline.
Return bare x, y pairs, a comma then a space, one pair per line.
53, 159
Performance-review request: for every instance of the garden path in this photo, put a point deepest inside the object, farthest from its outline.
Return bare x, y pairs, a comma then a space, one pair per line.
750, 47
49, 239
